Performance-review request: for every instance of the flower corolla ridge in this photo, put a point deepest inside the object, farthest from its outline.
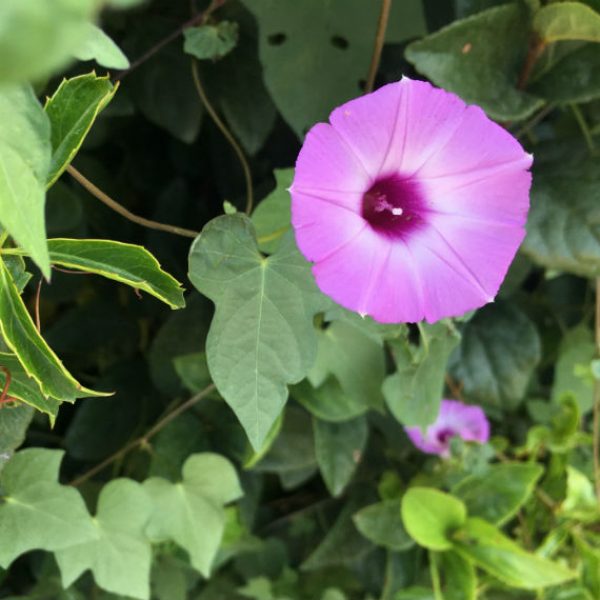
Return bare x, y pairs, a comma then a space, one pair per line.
454, 419
410, 204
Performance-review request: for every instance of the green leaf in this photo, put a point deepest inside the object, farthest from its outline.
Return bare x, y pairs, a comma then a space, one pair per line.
38, 38
24, 162
72, 110
272, 218
483, 544
339, 448
329, 402
36, 512
211, 41
574, 77
96, 45
355, 359
193, 371
24, 388
460, 581
119, 556
261, 337
430, 517
191, 512
251, 114
127, 263
571, 371
381, 523
163, 88
498, 494
292, 453
342, 545
34, 354
562, 225
14, 421
309, 52
580, 502
567, 21
414, 392
500, 348
590, 559
480, 59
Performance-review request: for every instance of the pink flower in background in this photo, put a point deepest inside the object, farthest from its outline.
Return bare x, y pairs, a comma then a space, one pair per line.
410, 204
454, 419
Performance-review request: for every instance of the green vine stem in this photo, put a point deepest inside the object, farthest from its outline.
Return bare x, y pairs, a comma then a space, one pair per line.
143, 441
227, 134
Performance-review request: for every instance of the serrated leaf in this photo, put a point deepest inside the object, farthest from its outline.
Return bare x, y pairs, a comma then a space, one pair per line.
567, 21
210, 41
34, 354
126, 263
562, 229
96, 45
24, 163
72, 110
38, 38
480, 59
414, 392
119, 556
25, 388
309, 52
261, 337
382, 524
498, 494
272, 217
339, 448
36, 512
482, 543
191, 512
431, 516
499, 350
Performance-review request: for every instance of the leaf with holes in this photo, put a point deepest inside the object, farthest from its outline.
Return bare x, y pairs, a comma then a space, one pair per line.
309, 52
72, 110
261, 337
36, 512
119, 556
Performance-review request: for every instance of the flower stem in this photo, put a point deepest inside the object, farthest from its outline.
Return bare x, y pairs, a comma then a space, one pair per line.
144, 439
596, 423
118, 208
227, 134
384, 16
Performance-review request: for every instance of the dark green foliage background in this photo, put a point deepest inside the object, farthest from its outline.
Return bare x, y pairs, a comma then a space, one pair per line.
318, 511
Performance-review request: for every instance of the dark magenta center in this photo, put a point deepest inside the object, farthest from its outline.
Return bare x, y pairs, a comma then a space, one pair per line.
393, 206
444, 435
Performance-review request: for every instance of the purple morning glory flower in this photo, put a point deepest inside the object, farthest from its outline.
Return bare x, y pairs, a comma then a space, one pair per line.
410, 204
454, 419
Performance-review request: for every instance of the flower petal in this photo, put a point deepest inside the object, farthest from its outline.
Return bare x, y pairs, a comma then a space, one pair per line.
324, 225
326, 164
364, 124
